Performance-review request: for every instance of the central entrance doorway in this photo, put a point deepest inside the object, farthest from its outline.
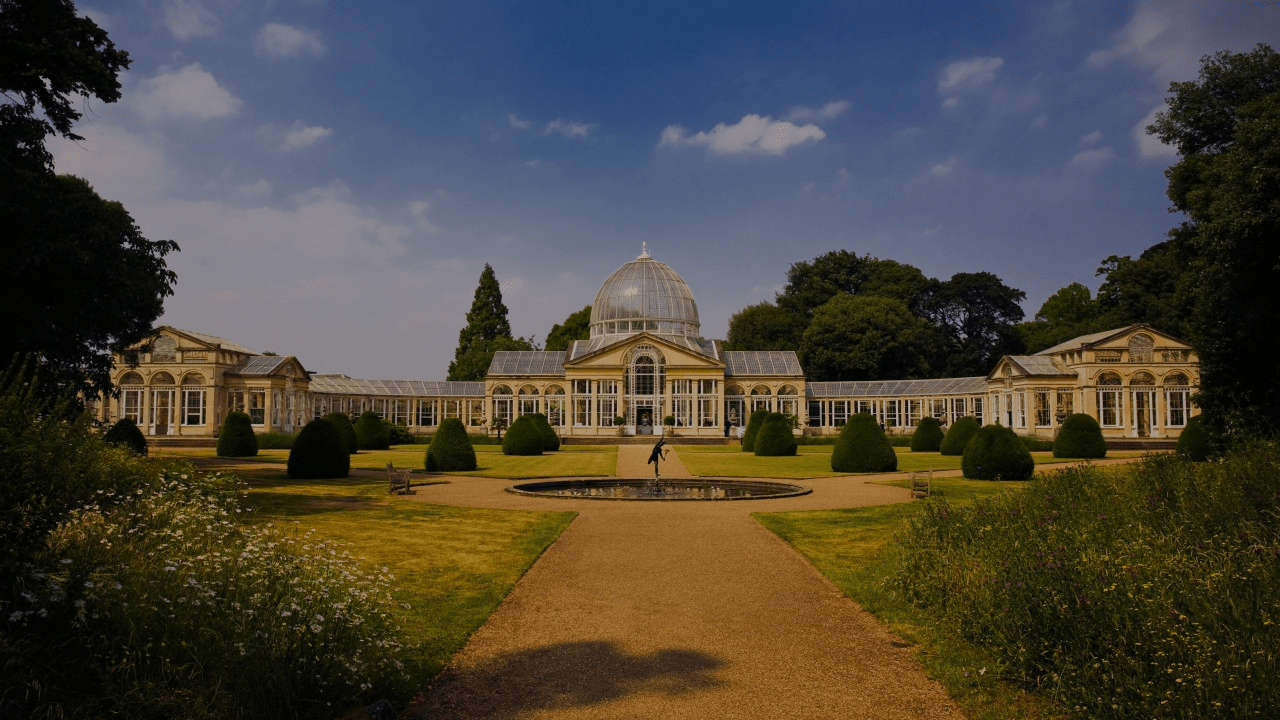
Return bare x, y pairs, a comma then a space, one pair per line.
644, 421
645, 379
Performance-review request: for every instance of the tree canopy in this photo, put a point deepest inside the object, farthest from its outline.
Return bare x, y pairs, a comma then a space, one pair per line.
80, 279
576, 327
1226, 127
486, 332
867, 338
764, 327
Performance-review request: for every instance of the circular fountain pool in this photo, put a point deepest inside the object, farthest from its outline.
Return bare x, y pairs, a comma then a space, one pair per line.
645, 489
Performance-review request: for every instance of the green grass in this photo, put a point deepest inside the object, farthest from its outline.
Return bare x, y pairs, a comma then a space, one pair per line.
853, 549
453, 565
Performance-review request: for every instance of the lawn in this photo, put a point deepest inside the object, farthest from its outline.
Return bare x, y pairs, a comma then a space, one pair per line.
453, 565
569, 461
852, 548
815, 461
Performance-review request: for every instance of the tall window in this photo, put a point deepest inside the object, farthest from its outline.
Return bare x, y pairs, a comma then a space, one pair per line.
131, 397
582, 410
957, 407
608, 407
427, 413
1066, 404
193, 399
400, 411
258, 407
839, 412
453, 409
707, 403
555, 405
1177, 393
977, 410
864, 407
912, 413
1041, 407
760, 398
788, 400
475, 413
1109, 400
528, 400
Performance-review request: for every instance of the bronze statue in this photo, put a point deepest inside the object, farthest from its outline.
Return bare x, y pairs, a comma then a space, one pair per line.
657, 455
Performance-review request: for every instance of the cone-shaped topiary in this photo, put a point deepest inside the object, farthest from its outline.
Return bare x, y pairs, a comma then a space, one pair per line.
862, 447
450, 449
236, 438
753, 428
775, 438
1079, 437
928, 435
125, 433
371, 432
958, 435
345, 429
997, 453
1196, 441
550, 440
319, 453
523, 437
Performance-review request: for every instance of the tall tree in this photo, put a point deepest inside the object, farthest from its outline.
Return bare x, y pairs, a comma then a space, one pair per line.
79, 279
978, 314
576, 327
764, 326
1226, 127
1154, 289
1068, 313
487, 331
811, 283
867, 337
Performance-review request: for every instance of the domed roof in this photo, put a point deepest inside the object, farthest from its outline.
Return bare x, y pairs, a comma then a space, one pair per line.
644, 294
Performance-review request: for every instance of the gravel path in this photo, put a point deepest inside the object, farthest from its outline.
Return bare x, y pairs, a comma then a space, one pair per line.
678, 610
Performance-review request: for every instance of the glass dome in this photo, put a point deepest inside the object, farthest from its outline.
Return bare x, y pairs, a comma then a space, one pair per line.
644, 294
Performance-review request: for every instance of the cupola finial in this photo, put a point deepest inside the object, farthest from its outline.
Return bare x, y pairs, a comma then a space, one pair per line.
644, 250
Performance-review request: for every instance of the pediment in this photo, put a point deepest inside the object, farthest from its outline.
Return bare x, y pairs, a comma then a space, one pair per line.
615, 354
1121, 338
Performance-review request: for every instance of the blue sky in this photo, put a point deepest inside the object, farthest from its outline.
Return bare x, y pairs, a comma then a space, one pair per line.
337, 174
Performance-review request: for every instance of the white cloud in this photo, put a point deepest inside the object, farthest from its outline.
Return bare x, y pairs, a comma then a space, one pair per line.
1092, 138
286, 41
1092, 159
516, 122
1041, 120
1149, 146
752, 134
829, 111
188, 18
258, 189
944, 168
121, 166
419, 211
568, 129
534, 163
969, 74
301, 136
190, 92
1170, 36
951, 103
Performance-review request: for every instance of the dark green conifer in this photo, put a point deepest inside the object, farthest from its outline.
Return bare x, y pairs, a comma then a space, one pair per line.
775, 437
862, 447
928, 435
236, 438
996, 452
450, 449
319, 453
958, 435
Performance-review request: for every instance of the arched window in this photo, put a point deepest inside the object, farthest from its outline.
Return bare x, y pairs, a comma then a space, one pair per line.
193, 379
1109, 379
555, 405
1140, 348
130, 378
528, 400
760, 390
162, 378
501, 390
554, 390
164, 349
733, 390
1177, 398
131, 396
1176, 380
1109, 400
528, 390
1142, 379
787, 390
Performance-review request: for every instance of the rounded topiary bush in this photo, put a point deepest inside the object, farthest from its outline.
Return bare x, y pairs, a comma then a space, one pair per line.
450, 449
523, 437
1080, 437
371, 432
1196, 442
319, 452
928, 435
125, 433
236, 438
753, 428
862, 447
958, 435
550, 440
345, 429
997, 453
775, 437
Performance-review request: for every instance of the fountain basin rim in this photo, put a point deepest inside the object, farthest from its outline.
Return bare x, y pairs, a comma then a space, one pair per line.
541, 489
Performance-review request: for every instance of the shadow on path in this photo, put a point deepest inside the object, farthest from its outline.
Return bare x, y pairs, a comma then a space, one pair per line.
563, 676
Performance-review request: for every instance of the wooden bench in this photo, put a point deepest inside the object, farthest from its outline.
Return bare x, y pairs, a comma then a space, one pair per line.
920, 484
399, 480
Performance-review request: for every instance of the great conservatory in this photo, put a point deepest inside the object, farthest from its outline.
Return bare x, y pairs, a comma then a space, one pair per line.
646, 361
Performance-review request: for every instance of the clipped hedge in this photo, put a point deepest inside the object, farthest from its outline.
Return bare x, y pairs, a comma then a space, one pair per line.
1196, 442
125, 433
236, 438
523, 437
997, 453
550, 440
862, 447
775, 438
1080, 437
450, 449
753, 428
319, 452
958, 435
345, 429
928, 435
372, 432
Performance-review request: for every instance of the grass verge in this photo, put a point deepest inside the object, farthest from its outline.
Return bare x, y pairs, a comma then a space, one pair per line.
452, 565
853, 549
